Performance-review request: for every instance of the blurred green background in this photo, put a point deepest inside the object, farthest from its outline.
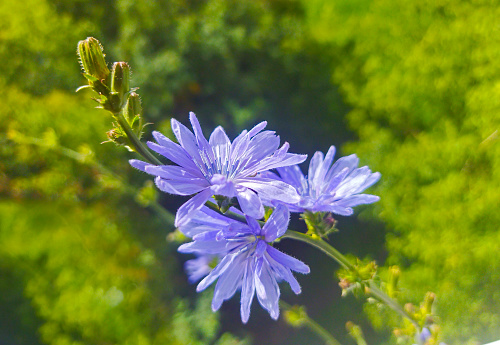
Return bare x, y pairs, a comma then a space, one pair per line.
413, 87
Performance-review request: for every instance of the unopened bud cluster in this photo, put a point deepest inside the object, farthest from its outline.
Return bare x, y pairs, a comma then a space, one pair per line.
113, 89
357, 280
319, 224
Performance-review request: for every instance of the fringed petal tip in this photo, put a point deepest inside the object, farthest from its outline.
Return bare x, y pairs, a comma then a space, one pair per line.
140, 165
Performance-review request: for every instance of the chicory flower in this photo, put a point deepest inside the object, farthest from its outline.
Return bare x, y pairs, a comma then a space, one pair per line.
329, 187
250, 262
220, 167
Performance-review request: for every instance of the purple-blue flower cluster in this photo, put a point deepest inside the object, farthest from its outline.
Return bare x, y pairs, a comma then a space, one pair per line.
240, 172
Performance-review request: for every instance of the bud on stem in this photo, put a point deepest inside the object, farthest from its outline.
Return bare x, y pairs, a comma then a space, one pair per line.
120, 81
92, 58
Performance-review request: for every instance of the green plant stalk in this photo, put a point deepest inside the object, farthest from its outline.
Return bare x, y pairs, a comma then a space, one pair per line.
383, 297
134, 140
342, 260
323, 246
314, 326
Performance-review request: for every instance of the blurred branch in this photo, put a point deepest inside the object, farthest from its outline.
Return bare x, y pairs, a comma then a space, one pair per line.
296, 316
87, 159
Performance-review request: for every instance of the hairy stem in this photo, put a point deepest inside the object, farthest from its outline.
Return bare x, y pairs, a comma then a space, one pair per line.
134, 140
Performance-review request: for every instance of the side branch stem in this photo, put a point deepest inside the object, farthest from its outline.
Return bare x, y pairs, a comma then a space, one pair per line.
323, 246
315, 327
344, 262
134, 140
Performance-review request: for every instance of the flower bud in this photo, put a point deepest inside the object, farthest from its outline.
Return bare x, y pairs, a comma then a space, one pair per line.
392, 284
92, 58
356, 332
120, 80
296, 316
428, 302
134, 107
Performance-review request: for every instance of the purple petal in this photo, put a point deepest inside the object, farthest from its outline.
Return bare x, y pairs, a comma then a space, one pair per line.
267, 290
247, 290
229, 281
277, 224
292, 175
177, 155
187, 140
185, 212
257, 128
222, 186
335, 181
239, 147
371, 180
349, 162
270, 189
288, 261
253, 225
318, 177
250, 203
139, 164
358, 199
180, 187
262, 145
216, 272
200, 138
204, 247
171, 172
343, 211
352, 182
315, 164
284, 273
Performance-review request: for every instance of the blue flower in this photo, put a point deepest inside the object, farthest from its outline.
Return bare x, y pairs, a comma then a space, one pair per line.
329, 188
250, 262
219, 167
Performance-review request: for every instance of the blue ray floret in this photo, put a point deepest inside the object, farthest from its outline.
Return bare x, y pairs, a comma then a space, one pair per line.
329, 187
220, 167
249, 262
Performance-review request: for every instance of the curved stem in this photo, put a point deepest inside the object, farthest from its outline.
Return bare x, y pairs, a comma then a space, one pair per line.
321, 245
134, 140
383, 297
314, 326
342, 260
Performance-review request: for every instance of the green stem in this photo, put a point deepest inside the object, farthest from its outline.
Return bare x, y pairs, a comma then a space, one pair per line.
321, 245
134, 140
383, 297
342, 260
314, 326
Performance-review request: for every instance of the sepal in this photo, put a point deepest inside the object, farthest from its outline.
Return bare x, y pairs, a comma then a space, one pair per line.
319, 224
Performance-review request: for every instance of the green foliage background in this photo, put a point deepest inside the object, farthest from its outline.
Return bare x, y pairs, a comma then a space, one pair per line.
83, 257
424, 82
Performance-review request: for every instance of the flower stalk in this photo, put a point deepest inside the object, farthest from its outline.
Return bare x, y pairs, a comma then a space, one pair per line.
346, 264
296, 316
